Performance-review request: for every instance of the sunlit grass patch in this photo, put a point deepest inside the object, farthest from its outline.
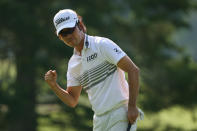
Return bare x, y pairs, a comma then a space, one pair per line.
172, 119
52, 117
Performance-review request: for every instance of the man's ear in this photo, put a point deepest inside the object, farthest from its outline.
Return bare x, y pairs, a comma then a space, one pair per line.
60, 37
81, 24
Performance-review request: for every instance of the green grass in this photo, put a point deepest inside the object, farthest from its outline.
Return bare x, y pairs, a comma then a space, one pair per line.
175, 118
52, 118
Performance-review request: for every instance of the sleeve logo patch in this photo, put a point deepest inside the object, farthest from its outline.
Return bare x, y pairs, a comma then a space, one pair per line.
117, 50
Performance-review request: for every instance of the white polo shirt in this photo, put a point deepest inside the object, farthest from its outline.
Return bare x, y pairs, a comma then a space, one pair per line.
97, 72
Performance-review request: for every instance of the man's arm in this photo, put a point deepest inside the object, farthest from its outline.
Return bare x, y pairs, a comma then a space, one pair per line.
69, 96
128, 66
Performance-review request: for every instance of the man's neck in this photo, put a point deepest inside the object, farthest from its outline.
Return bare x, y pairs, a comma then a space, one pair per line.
80, 46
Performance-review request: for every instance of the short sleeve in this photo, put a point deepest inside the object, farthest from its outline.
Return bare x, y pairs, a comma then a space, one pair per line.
71, 80
73, 72
112, 52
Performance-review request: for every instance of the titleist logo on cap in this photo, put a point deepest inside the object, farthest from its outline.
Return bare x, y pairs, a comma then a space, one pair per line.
60, 20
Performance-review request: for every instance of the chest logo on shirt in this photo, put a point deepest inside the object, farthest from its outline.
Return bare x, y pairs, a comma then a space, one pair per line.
91, 57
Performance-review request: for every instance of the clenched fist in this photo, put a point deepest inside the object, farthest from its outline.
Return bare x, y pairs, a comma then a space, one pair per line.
51, 77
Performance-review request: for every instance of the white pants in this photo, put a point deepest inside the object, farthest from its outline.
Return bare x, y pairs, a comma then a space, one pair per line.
115, 120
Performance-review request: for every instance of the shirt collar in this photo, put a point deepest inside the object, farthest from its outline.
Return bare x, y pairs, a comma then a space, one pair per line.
86, 44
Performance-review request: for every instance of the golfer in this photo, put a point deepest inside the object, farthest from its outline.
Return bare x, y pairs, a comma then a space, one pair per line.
98, 66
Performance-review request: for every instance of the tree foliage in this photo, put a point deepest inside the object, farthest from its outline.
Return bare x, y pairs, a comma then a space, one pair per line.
142, 28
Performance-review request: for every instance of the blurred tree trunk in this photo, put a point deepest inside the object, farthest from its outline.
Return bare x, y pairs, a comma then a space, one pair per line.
22, 115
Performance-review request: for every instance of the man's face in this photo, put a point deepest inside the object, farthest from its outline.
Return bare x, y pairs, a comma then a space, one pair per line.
70, 36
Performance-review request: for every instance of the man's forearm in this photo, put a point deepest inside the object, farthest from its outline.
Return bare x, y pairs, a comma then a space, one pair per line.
133, 81
64, 95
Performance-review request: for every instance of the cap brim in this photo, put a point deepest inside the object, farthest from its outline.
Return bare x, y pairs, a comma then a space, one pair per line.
67, 25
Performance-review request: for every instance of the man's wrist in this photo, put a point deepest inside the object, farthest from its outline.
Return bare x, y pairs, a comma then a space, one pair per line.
132, 104
53, 85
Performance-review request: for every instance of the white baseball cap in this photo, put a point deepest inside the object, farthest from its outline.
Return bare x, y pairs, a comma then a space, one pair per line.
66, 18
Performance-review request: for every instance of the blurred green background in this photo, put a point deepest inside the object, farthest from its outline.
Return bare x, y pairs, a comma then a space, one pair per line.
158, 35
